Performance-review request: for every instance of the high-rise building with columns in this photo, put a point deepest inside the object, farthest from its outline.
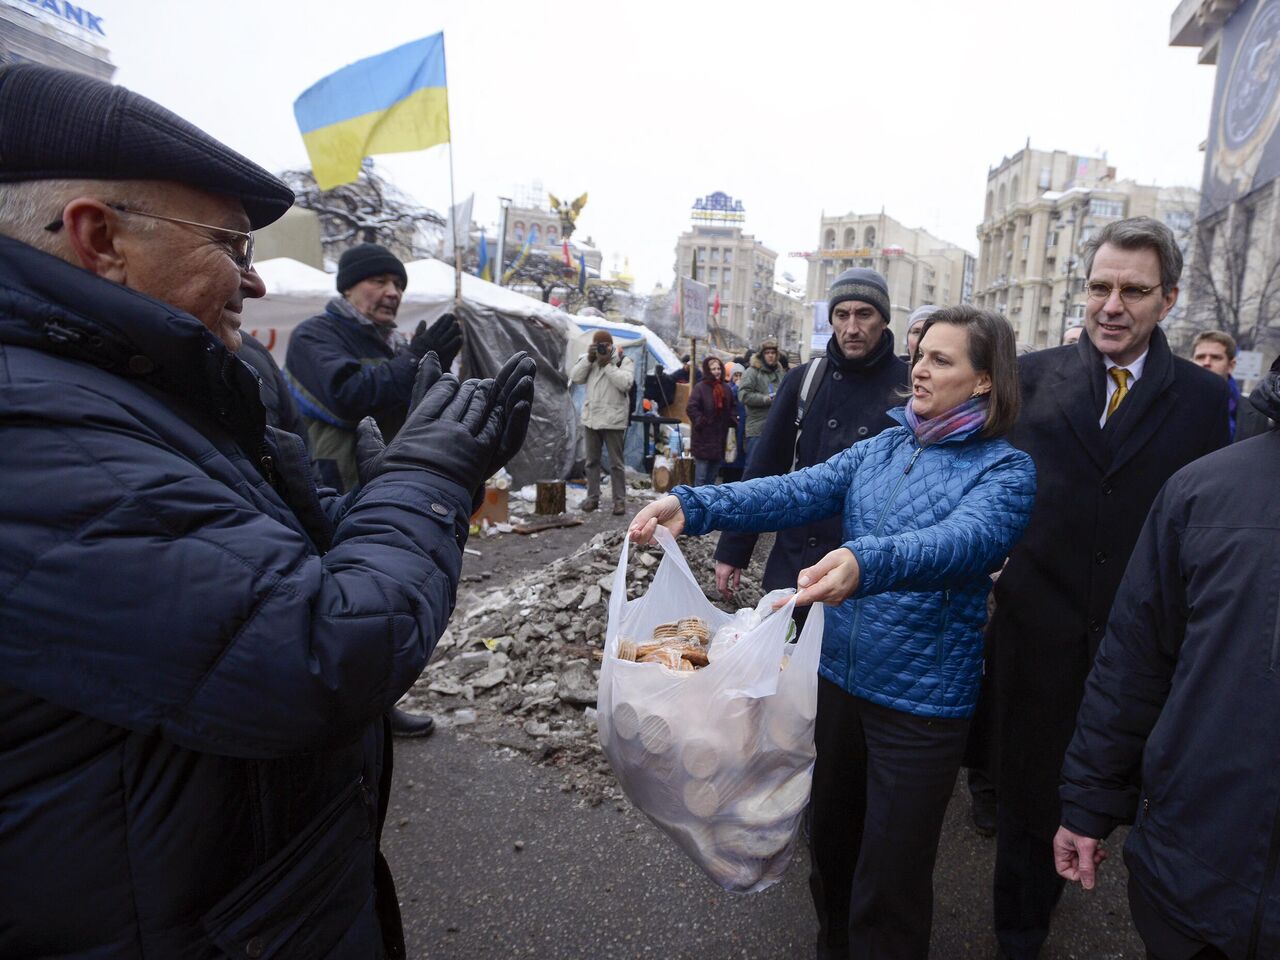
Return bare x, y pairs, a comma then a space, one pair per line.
918, 267
1041, 206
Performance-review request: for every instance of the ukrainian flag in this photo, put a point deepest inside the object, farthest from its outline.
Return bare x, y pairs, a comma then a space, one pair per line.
392, 103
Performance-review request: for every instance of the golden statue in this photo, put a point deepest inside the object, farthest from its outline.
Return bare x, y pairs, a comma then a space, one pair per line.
568, 212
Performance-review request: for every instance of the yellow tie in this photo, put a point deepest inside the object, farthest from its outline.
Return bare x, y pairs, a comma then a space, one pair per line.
1121, 376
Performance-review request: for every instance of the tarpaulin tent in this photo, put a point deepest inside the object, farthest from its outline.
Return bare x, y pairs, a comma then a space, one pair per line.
497, 323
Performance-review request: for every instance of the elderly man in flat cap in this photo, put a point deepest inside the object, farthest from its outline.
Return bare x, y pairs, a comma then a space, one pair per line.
196, 649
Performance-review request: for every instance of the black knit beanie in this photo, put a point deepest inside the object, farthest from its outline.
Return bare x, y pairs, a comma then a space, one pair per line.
368, 260
862, 284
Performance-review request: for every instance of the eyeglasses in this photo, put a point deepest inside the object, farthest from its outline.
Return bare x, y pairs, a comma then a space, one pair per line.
239, 245
1129, 293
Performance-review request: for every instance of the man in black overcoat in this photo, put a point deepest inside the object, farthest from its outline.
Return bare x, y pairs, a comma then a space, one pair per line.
1108, 421
857, 381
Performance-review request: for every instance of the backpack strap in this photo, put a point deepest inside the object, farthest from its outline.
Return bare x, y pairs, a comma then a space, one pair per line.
812, 378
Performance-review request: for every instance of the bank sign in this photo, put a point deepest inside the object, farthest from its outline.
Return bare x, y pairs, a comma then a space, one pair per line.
70, 13
1243, 149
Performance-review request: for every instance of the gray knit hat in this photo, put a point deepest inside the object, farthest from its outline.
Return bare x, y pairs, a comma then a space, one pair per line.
922, 313
862, 284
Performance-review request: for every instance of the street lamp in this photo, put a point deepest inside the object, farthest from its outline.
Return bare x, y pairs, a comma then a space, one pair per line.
505, 202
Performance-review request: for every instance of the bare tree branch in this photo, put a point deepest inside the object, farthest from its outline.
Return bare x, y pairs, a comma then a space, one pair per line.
370, 210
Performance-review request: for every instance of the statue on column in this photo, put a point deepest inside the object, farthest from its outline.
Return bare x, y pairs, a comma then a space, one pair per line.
568, 213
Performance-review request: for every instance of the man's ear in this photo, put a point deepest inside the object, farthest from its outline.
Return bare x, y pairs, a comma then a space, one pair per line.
93, 233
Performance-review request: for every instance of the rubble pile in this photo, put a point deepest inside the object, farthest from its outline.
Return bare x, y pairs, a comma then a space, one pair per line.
519, 665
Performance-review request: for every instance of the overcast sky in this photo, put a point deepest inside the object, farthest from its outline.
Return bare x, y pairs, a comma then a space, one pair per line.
900, 104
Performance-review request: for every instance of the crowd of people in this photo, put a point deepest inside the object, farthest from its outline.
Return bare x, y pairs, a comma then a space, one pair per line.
1049, 566
217, 576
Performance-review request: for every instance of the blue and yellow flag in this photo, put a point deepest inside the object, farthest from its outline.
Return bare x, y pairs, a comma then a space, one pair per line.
392, 103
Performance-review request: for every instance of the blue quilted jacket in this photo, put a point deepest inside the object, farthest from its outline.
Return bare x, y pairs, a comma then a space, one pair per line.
927, 524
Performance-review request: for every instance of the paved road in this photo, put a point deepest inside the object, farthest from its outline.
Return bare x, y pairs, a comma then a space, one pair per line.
603, 883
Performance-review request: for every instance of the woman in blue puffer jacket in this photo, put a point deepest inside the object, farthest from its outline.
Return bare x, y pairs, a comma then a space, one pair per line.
930, 509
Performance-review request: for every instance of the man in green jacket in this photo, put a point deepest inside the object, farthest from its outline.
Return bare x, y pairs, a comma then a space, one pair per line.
758, 388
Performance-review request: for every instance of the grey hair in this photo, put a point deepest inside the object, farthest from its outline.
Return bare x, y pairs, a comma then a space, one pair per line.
1140, 233
28, 206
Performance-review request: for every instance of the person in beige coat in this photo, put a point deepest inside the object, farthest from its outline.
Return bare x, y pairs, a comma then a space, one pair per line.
605, 414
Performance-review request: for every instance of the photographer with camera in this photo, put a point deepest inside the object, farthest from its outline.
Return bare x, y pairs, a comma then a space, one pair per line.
605, 414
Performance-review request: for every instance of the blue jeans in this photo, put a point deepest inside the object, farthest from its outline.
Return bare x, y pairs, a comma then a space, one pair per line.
704, 472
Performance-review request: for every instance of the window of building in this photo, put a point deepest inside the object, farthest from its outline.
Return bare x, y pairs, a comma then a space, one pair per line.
715, 254
1106, 208
728, 277
728, 256
1179, 221
518, 232
1026, 242
533, 233
829, 241
869, 237
551, 235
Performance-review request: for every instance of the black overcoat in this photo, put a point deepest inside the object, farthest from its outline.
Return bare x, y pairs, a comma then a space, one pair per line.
1094, 489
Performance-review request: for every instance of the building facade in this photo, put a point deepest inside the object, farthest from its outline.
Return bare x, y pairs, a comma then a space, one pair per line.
1236, 267
54, 33
739, 269
1041, 207
918, 267
532, 219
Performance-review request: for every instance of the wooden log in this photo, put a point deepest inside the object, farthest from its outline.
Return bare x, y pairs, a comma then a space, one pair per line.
550, 497
684, 470
551, 523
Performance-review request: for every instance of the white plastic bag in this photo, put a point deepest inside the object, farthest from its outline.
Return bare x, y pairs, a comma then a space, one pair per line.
721, 758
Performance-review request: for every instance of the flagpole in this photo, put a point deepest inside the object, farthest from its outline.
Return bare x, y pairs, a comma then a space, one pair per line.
457, 249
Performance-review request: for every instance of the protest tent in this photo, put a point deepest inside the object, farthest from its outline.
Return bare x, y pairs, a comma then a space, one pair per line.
498, 322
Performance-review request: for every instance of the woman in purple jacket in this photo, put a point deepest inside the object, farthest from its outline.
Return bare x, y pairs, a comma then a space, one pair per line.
713, 413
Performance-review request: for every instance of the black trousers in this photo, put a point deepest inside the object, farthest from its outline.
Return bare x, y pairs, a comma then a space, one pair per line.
1027, 887
880, 789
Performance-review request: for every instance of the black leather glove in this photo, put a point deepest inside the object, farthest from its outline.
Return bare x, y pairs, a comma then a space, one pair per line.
462, 432
514, 386
453, 434
444, 338
369, 442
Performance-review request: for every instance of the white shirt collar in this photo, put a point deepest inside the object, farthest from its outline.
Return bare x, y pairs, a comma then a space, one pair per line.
1135, 369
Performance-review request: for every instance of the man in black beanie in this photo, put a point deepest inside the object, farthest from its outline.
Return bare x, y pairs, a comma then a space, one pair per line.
197, 646
350, 362
837, 398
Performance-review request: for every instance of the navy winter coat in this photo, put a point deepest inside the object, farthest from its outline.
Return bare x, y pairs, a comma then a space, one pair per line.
195, 651
1180, 715
341, 371
927, 525
849, 405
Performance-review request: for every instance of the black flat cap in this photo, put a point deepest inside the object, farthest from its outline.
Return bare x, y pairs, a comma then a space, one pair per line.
57, 125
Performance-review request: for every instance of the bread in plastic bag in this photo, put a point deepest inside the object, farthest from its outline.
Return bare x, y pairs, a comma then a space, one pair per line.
720, 758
